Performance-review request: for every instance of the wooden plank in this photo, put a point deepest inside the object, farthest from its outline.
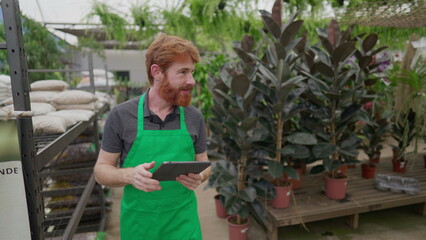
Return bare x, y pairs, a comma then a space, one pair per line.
313, 205
352, 220
422, 209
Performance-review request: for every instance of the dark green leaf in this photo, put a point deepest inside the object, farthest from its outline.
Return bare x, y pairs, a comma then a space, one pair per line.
343, 51
348, 152
277, 108
225, 96
301, 152
248, 194
317, 169
275, 168
264, 188
290, 32
284, 92
323, 150
364, 61
293, 44
280, 51
248, 123
237, 114
248, 101
291, 172
330, 164
325, 43
369, 42
288, 150
228, 192
350, 111
244, 56
302, 139
324, 69
378, 50
270, 24
240, 84
351, 141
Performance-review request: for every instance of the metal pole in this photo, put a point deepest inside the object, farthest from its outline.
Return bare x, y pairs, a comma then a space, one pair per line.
107, 79
20, 91
92, 76
16, 55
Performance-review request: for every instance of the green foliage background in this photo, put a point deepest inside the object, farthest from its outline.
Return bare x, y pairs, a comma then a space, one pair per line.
42, 50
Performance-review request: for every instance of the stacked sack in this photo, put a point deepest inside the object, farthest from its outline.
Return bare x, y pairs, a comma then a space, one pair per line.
75, 99
99, 78
5, 92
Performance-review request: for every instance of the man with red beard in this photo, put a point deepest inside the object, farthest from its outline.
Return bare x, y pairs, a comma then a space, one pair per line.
145, 131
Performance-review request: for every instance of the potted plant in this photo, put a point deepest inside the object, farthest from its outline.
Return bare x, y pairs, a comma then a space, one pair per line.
403, 131
373, 133
235, 132
414, 105
338, 73
280, 89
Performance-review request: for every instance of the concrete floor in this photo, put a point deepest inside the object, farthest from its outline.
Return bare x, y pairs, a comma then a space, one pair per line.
397, 223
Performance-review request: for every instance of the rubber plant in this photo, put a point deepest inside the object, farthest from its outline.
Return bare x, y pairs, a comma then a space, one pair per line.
339, 72
233, 142
281, 88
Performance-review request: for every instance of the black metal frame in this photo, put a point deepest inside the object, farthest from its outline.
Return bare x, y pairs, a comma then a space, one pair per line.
33, 160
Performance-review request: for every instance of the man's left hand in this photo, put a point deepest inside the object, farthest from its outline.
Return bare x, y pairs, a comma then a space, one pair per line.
190, 181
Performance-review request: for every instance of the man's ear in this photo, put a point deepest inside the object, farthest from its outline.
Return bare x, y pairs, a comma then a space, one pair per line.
156, 71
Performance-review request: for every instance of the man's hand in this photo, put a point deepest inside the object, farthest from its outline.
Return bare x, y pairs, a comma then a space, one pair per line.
191, 181
141, 178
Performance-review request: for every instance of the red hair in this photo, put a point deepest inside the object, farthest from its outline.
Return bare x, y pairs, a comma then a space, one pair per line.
167, 49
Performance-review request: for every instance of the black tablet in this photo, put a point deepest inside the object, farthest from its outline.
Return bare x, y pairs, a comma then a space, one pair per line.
168, 171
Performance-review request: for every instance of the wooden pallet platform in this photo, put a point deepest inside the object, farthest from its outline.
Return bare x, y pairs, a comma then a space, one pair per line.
310, 203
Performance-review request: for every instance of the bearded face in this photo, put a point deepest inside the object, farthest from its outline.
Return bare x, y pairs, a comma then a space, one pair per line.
179, 95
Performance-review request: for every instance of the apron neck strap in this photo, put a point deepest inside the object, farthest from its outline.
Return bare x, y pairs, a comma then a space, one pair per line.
141, 114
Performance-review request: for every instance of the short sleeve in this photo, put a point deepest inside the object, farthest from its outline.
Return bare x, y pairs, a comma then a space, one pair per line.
201, 143
111, 137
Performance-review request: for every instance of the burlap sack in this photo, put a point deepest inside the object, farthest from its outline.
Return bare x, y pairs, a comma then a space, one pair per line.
36, 109
47, 125
87, 106
49, 85
72, 97
38, 96
76, 115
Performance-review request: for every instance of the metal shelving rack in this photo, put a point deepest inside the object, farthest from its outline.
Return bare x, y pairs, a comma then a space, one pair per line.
36, 153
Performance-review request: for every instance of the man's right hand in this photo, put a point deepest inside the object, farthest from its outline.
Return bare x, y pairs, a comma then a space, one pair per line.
141, 178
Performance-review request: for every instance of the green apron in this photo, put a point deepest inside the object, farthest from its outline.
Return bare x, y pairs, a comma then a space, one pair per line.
170, 213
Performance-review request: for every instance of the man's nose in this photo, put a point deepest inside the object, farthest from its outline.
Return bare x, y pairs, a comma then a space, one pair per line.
190, 80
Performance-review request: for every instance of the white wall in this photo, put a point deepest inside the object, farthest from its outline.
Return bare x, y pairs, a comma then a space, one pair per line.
123, 60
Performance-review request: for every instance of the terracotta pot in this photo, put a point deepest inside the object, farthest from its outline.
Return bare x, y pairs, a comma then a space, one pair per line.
399, 166
342, 169
376, 158
237, 231
220, 209
424, 158
282, 199
368, 170
335, 188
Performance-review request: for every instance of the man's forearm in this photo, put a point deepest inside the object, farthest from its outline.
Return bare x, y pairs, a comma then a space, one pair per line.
112, 176
206, 173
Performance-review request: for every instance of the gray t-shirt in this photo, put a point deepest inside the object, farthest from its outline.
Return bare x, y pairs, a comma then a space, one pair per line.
121, 126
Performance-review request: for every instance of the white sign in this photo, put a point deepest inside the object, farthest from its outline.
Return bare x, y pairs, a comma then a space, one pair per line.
14, 222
